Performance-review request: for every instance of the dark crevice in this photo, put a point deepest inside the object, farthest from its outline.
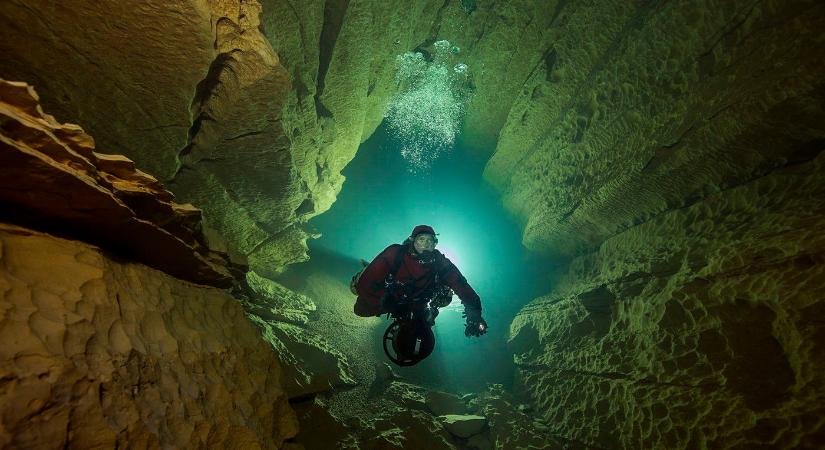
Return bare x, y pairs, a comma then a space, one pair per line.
806, 152
206, 86
468, 6
203, 92
304, 398
634, 22
559, 6
243, 135
727, 32
306, 207
334, 13
422, 48
549, 59
321, 110
436, 29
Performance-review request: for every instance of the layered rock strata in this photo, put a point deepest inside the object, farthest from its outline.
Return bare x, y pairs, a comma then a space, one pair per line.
52, 176
677, 157
104, 354
99, 353
251, 109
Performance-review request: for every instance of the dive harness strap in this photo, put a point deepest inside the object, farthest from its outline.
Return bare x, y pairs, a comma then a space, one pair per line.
391, 284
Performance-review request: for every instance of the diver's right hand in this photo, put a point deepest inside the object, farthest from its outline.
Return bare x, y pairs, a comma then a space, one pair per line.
476, 325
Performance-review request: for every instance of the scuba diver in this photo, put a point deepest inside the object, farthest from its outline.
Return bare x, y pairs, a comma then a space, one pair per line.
409, 282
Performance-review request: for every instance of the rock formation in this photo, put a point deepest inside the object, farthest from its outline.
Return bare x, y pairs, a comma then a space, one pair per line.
671, 151
250, 110
99, 352
104, 354
406, 421
311, 363
678, 160
51, 176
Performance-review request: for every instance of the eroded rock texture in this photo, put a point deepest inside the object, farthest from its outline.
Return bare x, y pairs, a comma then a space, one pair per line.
250, 110
675, 153
672, 150
52, 177
105, 354
658, 107
311, 363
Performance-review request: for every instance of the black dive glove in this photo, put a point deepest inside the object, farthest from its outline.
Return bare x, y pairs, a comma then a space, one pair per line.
476, 326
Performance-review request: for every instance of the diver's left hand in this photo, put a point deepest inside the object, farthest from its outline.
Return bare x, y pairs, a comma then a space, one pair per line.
476, 325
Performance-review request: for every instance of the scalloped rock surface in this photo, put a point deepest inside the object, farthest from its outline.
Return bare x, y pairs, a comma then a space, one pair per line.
700, 328
660, 106
678, 159
105, 354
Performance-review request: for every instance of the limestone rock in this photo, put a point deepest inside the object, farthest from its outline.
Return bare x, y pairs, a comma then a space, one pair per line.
442, 403
311, 364
386, 373
102, 354
407, 429
463, 426
51, 176
695, 317
479, 442
125, 74
250, 110
510, 426
407, 396
384, 377
274, 302
320, 429
655, 113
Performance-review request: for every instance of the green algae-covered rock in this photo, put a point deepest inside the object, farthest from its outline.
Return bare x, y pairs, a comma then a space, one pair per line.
442, 403
463, 426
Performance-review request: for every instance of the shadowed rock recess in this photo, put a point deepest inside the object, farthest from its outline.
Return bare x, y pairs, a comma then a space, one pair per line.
671, 152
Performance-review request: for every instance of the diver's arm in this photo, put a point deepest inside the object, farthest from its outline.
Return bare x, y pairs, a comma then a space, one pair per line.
476, 325
453, 277
372, 279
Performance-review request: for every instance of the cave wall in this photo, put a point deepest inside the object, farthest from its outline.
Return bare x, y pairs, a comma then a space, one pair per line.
196, 94
130, 343
654, 109
250, 110
673, 152
100, 353
670, 150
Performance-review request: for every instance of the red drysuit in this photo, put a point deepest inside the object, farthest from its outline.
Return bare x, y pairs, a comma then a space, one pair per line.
417, 279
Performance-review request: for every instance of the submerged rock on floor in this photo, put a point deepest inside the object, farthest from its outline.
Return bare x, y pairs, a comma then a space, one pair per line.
441, 403
463, 426
272, 301
311, 363
404, 420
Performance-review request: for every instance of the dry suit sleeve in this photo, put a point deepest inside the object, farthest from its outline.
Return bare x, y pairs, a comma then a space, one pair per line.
372, 279
453, 277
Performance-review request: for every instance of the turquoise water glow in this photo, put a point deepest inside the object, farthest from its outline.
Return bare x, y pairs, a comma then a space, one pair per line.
380, 203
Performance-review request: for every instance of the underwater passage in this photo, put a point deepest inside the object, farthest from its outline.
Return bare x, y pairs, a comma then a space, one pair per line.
585, 225
410, 282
